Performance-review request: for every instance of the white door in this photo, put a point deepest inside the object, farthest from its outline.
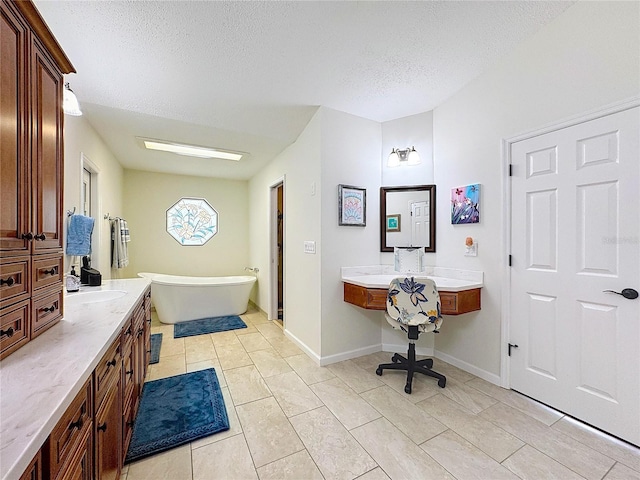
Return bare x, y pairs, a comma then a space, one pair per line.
574, 234
420, 226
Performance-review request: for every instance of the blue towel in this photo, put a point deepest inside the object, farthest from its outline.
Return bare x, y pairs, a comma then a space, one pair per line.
79, 235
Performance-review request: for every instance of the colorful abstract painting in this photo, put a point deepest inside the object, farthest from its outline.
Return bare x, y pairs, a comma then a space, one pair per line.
192, 221
465, 204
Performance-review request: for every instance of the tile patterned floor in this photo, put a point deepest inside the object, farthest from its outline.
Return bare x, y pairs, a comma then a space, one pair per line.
290, 419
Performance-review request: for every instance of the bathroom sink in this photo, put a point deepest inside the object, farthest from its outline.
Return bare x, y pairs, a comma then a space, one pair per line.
93, 297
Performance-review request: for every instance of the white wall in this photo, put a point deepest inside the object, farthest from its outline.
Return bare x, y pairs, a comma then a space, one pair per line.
300, 165
587, 58
351, 156
416, 130
79, 138
148, 195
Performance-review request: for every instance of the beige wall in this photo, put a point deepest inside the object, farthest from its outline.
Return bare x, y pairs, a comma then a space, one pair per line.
81, 139
147, 196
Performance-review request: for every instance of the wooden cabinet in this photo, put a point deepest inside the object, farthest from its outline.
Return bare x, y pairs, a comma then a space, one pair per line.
452, 303
34, 470
108, 414
68, 439
108, 435
137, 352
31, 163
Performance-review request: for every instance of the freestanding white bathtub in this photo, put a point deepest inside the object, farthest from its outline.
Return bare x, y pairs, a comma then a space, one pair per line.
180, 299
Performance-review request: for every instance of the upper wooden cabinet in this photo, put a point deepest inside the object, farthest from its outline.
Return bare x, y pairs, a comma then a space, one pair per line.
31, 179
31, 170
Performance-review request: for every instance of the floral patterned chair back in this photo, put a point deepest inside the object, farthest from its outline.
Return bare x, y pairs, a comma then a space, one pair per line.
414, 301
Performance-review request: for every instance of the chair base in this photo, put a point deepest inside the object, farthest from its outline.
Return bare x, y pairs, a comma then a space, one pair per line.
411, 365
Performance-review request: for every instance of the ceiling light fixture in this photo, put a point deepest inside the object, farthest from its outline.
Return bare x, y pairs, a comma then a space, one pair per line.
190, 150
70, 104
408, 156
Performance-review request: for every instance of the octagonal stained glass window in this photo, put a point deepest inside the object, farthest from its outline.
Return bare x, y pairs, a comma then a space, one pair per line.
192, 221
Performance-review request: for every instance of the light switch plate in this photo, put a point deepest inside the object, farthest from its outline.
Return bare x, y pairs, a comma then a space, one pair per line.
309, 246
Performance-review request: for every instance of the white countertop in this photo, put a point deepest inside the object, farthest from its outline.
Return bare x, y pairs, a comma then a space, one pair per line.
446, 279
39, 381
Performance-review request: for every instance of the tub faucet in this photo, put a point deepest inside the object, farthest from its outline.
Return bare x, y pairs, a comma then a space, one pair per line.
254, 269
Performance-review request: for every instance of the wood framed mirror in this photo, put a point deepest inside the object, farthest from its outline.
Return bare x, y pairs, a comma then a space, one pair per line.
408, 217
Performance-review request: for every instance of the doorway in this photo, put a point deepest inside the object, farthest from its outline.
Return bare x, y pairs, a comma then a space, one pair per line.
90, 203
277, 252
574, 343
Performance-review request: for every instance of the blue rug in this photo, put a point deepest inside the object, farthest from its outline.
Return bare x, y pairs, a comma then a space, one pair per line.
156, 343
207, 325
177, 410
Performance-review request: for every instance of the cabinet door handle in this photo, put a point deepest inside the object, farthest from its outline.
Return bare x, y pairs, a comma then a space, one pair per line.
40, 236
111, 363
53, 271
103, 427
50, 309
77, 424
128, 332
129, 372
9, 281
8, 332
27, 236
140, 332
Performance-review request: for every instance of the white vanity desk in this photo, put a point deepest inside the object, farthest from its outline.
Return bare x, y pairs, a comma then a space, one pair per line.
367, 287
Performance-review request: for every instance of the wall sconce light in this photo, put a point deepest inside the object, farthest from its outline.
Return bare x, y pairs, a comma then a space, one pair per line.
398, 157
70, 104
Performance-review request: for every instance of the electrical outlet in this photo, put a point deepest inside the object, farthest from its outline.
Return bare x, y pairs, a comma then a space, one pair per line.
309, 246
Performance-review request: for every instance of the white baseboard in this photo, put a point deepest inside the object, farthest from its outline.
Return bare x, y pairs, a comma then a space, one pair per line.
301, 345
467, 367
402, 349
340, 357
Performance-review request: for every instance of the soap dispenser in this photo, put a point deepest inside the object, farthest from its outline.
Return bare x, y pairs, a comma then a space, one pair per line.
73, 281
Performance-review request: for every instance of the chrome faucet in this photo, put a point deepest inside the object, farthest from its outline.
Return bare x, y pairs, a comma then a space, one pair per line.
252, 269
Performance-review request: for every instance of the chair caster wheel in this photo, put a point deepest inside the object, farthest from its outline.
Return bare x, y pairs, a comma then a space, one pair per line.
379, 371
407, 388
442, 383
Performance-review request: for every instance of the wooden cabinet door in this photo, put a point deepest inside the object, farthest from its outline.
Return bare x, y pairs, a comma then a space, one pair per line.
46, 151
80, 467
14, 139
108, 435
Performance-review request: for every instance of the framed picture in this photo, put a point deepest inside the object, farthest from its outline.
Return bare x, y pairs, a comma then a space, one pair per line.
393, 223
465, 204
352, 206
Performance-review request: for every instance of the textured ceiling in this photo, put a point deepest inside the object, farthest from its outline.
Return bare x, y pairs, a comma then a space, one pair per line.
249, 75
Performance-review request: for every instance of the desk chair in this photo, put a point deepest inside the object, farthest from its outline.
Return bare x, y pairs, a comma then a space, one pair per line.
413, 306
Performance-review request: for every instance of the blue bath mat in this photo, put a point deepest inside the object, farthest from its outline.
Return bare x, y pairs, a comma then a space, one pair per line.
156, 343
207, 325
177, 410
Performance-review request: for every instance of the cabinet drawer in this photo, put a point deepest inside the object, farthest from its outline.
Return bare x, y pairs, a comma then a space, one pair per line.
46, 270
14, 324
68, 434
108, 369
448, 302
14, 280
46, 311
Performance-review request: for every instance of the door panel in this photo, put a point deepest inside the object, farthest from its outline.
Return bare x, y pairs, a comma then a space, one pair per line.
46, 160
14, 155
575, 233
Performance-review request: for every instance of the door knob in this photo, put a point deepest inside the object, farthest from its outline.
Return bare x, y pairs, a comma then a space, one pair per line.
628, 293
